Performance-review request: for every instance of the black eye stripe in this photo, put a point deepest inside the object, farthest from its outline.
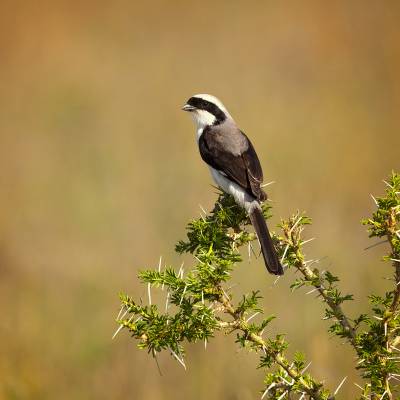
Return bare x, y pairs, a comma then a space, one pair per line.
206, 105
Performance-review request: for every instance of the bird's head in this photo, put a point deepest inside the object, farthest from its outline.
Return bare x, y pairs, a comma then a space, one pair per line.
206, 110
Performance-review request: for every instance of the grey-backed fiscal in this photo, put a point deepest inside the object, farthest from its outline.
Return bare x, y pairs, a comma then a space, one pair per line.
234, 165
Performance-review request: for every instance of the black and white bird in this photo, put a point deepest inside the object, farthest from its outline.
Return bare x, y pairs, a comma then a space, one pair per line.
234, 165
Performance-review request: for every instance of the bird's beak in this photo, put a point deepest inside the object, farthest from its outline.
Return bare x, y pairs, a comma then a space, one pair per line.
188, 107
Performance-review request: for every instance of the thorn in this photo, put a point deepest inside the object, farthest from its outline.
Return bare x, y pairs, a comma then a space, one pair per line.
120, 327
340, 385
276, 280
305, 368
312, 291
284, 253
317, 261
386, 183
393, 377
178, 359
374, 199
252, 249
149, 292
302, 396
225, 294
159, 270
282, 395
306, 241
385, 392
385, 328
122, 316
394, 259
360, 387
205, 344
180, 273
120, 311
203, 210
365, 397
167, 302
259, 244
254, 315
183, 294
310, 262
291, 229
117, 331
202, 297
197, 258
267, 184
159, 264
285, 380
158, 366
268, 389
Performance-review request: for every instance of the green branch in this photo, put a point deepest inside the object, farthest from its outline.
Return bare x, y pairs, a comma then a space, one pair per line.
325, 283
273, 352
200, 304
378, 347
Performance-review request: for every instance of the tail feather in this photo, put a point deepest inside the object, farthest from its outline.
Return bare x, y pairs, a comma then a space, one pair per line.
267, 247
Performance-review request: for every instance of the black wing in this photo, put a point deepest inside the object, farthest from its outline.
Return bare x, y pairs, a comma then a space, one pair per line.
243, 167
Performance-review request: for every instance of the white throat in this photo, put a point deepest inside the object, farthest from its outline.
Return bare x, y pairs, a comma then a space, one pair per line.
202, 119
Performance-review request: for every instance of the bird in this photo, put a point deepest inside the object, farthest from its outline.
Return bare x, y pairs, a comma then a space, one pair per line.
234, 165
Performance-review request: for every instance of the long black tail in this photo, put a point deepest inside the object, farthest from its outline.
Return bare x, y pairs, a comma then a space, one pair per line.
267, 247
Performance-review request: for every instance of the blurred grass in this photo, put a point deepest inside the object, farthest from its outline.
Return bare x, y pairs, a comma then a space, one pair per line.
99, 173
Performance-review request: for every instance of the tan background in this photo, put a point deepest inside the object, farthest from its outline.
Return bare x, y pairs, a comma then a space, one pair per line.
99, 173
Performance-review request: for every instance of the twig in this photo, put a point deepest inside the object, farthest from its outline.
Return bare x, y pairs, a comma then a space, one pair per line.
241, 324
340, 385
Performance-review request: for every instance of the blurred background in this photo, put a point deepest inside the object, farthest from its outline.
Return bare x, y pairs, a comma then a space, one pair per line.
99, 174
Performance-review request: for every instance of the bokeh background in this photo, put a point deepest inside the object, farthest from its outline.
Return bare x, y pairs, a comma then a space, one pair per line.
99, 173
